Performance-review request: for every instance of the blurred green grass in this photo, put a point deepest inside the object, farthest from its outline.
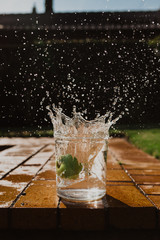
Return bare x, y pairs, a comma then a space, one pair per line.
146, 139
26, 132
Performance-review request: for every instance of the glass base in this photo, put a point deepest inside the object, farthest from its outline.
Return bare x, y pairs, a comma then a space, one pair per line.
81, 195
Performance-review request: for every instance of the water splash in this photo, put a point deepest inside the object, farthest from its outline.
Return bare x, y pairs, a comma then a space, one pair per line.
81, 143
78, 126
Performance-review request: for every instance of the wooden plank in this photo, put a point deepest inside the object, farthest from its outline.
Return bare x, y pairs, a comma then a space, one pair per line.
31, 141
117, 175
45, 182
37, 207
13, 157
156, 200
9, 191
41, 194
33, 218
151, 189
118, 183
128, 207
14, 183
8, 163
20, 151
39, 199
125, 151
111, 162
147, 172
128, 195
82, 216
41, 157
132, 165
142, 179
123, 207
3, 217
132, 218
48, 172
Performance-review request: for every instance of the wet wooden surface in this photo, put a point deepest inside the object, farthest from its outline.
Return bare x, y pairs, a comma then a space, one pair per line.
28, 198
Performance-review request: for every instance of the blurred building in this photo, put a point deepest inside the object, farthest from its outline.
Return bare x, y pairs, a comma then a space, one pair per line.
64, 26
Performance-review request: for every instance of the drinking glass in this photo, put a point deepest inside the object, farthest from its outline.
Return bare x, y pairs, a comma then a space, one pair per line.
81, 156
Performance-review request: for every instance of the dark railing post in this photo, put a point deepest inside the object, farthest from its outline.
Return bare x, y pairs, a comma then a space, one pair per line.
49, 6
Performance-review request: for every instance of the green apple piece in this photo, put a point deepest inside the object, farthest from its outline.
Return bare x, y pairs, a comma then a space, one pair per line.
68, 167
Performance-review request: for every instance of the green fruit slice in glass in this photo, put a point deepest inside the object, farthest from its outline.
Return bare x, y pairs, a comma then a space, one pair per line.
68, 167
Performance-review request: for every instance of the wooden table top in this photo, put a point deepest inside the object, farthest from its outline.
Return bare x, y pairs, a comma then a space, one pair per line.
28, 198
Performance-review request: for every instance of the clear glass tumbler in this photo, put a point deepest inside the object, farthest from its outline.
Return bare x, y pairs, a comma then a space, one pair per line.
81, 155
